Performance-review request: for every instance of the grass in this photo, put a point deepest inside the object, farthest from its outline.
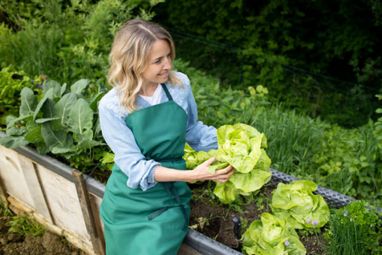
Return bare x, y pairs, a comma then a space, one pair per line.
21, 224
4, 211
24, 225
292, 138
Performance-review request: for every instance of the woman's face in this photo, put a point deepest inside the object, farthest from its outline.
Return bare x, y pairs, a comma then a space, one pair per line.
159, 64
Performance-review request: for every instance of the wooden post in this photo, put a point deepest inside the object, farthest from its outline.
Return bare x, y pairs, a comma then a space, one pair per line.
90, 221
3, 193
97, 221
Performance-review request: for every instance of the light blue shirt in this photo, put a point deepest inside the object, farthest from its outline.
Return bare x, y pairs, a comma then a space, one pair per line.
121, 140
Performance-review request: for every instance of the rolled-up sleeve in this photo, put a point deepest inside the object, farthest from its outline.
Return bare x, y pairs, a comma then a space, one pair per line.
199, 136
128, 156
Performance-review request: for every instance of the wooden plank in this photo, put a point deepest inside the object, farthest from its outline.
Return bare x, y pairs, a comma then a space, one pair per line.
12, 175
90, 221
61, 195
29, 170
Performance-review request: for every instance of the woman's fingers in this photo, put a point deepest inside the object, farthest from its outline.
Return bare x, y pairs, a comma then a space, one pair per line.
226, 170
224, 174
222, 180
221, 175
209, 161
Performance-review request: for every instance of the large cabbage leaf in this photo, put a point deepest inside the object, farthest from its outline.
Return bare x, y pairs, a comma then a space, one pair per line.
296, 203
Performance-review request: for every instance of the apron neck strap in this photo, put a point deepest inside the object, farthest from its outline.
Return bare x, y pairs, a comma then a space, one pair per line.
167, 92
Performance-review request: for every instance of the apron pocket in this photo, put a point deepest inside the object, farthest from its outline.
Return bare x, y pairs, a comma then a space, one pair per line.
156, 213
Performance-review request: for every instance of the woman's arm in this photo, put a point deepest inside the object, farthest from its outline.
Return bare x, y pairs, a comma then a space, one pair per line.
200, 173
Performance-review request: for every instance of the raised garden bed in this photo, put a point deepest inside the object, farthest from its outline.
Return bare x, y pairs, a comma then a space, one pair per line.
55, 194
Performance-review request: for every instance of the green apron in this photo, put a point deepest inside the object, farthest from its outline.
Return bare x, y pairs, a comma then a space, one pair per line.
154, 221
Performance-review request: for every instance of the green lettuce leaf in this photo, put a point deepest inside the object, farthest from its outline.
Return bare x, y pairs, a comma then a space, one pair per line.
226, 192
271, 236
296, 203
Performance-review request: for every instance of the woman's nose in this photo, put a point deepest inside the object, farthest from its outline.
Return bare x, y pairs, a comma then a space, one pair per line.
167, 63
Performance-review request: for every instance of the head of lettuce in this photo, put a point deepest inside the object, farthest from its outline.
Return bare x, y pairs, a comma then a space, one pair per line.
243, 147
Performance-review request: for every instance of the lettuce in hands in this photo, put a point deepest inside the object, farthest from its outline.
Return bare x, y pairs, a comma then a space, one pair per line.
243, 147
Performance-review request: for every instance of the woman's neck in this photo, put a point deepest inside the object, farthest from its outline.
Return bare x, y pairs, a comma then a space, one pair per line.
149, 89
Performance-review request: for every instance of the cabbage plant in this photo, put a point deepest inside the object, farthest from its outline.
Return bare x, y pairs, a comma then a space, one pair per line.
296, 203
271, 236
243, 147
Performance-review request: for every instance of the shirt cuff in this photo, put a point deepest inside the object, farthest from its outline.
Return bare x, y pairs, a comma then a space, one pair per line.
148, 181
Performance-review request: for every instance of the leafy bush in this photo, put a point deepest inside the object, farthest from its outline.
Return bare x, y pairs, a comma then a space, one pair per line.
61, 121
284, 45
65, 40
349, 161
12, 82
220, 106
355, 229
378, 128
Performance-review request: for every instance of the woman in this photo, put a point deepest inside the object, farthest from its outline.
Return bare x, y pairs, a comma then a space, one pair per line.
146, 119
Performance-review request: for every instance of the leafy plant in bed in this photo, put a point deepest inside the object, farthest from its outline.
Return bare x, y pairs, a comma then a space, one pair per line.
61, 120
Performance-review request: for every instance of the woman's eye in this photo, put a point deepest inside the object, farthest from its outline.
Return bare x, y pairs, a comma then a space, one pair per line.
157, 61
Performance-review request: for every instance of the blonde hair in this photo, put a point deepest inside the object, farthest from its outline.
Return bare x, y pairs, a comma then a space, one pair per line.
129, 57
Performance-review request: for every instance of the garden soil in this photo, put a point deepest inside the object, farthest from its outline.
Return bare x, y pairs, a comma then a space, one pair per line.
47, 244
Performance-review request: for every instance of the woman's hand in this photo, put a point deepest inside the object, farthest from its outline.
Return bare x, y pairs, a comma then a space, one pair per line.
201, 173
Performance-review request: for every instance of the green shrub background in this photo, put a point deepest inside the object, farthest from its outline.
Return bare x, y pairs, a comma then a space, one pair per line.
69, 40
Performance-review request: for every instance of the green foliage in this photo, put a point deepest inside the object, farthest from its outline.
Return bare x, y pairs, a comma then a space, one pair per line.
65, 40
348, 162
4, 211
355, 229
24, 225
292, 139
285, 46
12, 82
220, 106
378, 128
107, 160
345, 160
21, 224
61, 121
